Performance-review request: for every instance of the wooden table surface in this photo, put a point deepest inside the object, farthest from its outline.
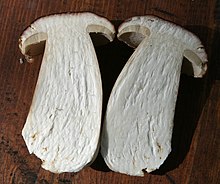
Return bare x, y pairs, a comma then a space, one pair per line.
195, 156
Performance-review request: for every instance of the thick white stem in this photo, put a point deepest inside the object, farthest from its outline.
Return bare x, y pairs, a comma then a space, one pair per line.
63, 124
139, 119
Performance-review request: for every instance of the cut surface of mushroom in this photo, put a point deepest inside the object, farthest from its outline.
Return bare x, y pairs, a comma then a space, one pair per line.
63, 124
138, 122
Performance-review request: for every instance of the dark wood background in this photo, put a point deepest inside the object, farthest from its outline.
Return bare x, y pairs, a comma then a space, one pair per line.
195, 156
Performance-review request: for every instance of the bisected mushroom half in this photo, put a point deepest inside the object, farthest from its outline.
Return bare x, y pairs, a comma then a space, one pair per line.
138, 123
63, 124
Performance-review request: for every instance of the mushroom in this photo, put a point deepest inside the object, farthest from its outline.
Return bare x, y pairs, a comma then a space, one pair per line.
138, 123
63, 124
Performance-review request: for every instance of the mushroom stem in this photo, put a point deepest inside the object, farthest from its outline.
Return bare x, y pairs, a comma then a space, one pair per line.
144, 104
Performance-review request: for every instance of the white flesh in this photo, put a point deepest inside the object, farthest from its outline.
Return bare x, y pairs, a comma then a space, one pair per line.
63, 124
138, 124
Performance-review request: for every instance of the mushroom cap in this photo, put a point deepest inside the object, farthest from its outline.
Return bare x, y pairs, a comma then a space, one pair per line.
134, 30
86, 22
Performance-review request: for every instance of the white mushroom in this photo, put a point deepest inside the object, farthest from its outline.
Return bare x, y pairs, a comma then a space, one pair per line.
63, 124
139, 118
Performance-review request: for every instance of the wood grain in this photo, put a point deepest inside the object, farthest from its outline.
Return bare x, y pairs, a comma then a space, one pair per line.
195, 155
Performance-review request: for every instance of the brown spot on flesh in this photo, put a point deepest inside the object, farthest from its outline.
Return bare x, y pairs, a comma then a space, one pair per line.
159, 148
34, 136
45, 149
